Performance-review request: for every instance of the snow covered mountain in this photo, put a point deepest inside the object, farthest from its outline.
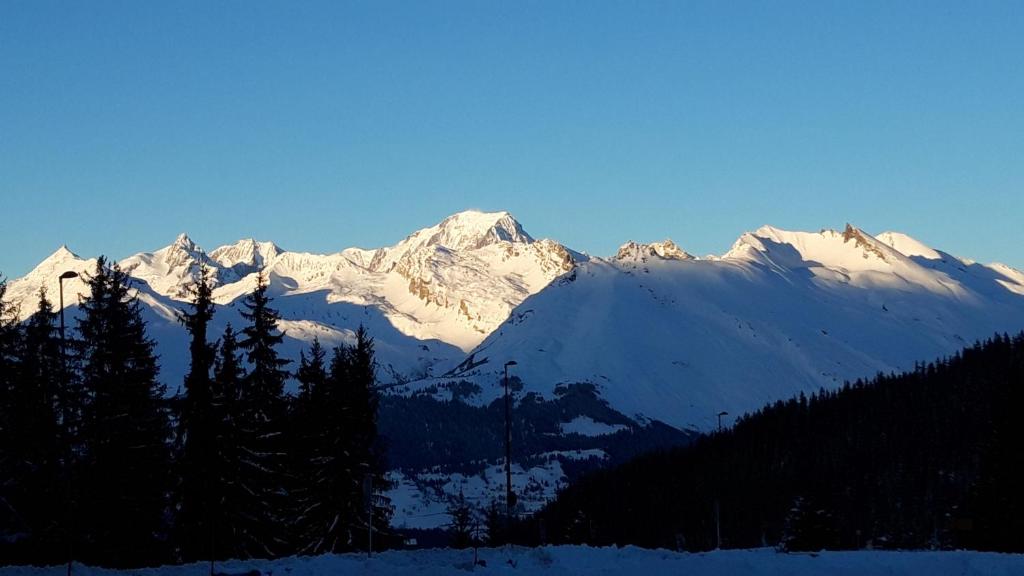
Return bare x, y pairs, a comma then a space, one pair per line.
427, 299
659, 334
664, 335
670, 337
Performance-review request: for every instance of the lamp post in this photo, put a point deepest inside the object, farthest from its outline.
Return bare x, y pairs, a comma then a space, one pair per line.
509, 504
65, 276
718, 522
67, 416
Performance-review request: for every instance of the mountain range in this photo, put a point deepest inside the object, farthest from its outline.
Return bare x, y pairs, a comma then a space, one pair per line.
614, 355
661, 334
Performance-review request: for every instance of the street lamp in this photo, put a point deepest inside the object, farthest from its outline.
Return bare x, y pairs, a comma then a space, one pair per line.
65, 276
67, 415
718, 522
509, 496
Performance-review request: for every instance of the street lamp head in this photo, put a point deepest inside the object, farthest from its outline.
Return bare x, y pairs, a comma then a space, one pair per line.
723, 413
69, 274
511, 363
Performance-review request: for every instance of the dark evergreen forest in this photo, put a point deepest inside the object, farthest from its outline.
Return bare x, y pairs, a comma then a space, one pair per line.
100, 465
927, 459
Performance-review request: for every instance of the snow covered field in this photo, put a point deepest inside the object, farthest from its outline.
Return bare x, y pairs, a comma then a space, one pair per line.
584, 560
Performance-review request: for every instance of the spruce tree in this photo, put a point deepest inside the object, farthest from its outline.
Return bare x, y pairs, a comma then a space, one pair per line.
229, 515
306, 454
123, 482
326, 521
12, 524
363, 403
198, 462
262, 415
35, 428
347, 454
462, 524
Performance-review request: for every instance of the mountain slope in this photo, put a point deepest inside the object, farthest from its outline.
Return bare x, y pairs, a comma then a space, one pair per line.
925, 459
662, 334
681, 339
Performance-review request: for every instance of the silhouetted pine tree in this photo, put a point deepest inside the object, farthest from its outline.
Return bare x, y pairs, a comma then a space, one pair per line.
343, 413
307, 449
360, 403
35, 427
123, 483
368, 451
263, 423
496, 523
198, 463
462, 524
13, 525
230, 516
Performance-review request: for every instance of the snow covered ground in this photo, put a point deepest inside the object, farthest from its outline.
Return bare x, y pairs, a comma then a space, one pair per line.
421, 500
565, 560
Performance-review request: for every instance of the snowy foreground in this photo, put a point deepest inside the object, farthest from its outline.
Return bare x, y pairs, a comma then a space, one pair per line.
585, 560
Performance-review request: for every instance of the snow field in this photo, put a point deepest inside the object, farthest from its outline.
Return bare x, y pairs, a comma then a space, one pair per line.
572, 560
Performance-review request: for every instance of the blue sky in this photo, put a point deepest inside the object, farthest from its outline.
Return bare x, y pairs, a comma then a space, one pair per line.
326, 125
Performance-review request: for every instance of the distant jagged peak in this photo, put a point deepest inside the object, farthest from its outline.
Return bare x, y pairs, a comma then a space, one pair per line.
182, 252
640, 252
248, 252
62, 254
472, 229
184, 242
852, 249
23, 292
62, 260
863, 240
461, 232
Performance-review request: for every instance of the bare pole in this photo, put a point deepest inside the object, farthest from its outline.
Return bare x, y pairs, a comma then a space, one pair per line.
67, 420
508, 448
718, 523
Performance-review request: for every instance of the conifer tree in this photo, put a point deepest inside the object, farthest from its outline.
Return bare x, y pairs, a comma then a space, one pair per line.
229, 516
343, 414
462, 522
198, 462
262, 423
326, 521
368, 453
35, 425
496, 523
307, 450
125, 466
12, 524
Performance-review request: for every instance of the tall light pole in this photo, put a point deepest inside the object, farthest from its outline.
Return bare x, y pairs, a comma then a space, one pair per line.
718, 523
67, 416
63, 343
509, 496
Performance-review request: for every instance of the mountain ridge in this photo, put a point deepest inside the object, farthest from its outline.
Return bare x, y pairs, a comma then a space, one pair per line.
448, 294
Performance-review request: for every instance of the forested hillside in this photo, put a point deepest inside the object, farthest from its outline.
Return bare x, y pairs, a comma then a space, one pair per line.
927, 459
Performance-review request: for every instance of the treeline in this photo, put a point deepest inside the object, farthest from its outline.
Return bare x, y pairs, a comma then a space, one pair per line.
455, 436
928, 459
99, 464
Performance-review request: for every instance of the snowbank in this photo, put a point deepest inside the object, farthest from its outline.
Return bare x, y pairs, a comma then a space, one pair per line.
565, 560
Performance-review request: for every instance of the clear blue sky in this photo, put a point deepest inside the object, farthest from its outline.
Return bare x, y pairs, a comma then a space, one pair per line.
326, 125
